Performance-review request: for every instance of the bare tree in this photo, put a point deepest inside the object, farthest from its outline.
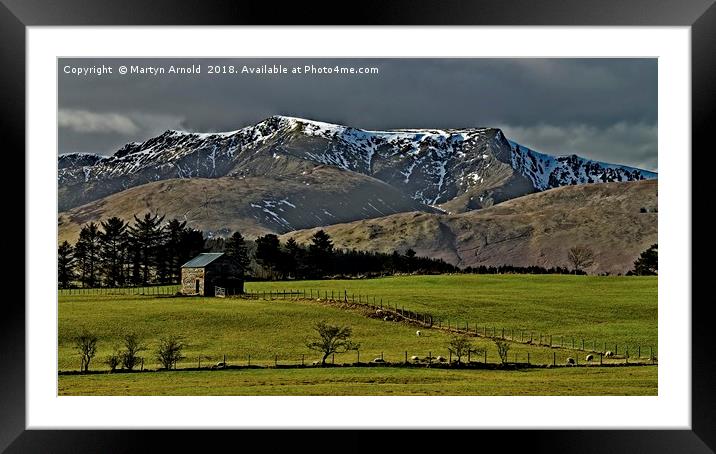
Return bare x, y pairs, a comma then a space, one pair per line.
130, 354
462, 346
502, 349
113, 361
331, 339
580, 257
169, 352
86, 346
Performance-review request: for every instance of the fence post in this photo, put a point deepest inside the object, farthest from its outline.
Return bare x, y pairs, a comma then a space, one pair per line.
615, 348
333, 358
381, 356
554, 358
600, 358
485, 356
142, 368
358, 352
528, 357
550, 341
449, 357
406, 357
249, 360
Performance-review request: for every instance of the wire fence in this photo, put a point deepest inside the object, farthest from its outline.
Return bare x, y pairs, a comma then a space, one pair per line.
389, 311
486, 359
550, 349
140, 290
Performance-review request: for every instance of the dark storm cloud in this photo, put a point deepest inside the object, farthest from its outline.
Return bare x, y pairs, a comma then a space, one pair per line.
604, 109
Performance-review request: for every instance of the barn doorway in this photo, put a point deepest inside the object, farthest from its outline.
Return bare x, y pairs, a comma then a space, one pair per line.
197, 286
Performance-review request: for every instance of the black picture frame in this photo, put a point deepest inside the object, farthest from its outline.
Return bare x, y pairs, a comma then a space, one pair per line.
16, 15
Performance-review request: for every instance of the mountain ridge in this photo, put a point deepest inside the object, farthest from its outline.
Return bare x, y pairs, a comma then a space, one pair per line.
455, 169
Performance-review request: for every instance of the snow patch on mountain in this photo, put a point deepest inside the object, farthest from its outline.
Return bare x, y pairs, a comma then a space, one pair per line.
547, 172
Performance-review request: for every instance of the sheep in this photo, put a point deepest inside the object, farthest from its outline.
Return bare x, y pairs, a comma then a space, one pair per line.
609, 353
415, 358
441, 359
589, 357
378, 360
219, 365
316, 362
417, 333
570, 361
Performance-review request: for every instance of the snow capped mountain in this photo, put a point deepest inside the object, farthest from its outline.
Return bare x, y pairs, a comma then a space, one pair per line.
548, 172
457, 169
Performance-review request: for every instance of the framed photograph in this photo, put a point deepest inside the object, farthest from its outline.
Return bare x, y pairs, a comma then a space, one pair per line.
371, 215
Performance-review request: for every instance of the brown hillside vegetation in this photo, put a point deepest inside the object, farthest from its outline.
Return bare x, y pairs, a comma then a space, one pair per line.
253, 205
616, 220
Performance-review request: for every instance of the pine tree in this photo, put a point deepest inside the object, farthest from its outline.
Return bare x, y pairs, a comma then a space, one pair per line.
321, 252
87, 255
268, 252
294, 257
146, 236
170, 256
648, 262
237, 251
65, 265
192, 243
113, 248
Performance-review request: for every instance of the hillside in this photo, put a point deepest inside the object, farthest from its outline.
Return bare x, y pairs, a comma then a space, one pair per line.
537, 229
254, 205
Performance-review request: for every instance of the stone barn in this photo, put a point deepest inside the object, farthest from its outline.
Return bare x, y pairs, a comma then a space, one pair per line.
202, 274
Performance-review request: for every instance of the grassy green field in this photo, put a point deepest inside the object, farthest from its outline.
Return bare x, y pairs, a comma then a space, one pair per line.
635, 381
614, 309
266, 330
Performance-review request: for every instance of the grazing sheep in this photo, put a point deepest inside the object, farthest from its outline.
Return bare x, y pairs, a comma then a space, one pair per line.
609, 353
220, 365
417, 333
378, 360
589, 357
570, 361
415, 358
441, 359
316, 362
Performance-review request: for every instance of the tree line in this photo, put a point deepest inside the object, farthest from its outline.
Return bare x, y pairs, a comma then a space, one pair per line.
150, 250
115, 253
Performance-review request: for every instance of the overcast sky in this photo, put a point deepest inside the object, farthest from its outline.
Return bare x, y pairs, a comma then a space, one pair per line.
604, 109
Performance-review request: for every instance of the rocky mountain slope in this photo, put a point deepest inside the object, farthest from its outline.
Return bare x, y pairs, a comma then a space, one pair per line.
253, 205
455, 169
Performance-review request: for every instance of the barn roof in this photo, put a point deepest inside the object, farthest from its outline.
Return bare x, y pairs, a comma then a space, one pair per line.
202, 260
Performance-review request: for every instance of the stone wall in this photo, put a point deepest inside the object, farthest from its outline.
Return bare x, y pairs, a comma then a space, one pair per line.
188, 280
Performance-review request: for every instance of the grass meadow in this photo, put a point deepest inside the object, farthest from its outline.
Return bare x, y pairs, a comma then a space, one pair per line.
616, 310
